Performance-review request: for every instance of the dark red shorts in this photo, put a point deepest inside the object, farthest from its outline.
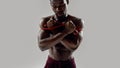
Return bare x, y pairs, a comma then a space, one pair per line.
51, 63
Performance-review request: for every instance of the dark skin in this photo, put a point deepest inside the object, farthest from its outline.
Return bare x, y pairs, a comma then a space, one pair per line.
60, 41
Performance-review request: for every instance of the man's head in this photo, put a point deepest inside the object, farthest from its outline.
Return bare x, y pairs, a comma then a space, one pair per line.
59, 6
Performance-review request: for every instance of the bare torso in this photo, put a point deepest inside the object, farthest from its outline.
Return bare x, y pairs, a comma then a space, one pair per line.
59, 52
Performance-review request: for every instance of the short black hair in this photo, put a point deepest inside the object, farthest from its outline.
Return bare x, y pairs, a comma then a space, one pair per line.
66, 1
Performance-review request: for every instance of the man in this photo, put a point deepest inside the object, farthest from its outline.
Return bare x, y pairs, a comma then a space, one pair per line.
61, 35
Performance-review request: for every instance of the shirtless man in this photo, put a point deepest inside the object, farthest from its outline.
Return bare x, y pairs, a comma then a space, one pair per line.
61, 35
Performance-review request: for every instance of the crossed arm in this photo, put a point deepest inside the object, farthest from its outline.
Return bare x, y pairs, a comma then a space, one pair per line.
69, 40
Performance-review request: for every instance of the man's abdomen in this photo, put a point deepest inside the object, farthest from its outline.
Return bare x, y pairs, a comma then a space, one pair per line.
59, 52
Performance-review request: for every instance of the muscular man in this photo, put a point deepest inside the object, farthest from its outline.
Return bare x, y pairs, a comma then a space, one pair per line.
61, 35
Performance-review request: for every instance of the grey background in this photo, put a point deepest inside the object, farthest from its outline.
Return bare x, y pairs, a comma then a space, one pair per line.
19, 26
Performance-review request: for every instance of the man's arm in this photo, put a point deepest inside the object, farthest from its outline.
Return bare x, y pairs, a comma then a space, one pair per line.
72, 44
46, 41
73, 40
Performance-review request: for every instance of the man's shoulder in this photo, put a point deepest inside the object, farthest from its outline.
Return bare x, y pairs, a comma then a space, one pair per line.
46, 18
76, 20
43, 21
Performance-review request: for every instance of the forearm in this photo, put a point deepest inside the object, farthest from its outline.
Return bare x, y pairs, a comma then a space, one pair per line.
71, 45
51, 41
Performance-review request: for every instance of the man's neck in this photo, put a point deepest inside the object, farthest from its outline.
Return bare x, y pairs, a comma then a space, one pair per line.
61, 18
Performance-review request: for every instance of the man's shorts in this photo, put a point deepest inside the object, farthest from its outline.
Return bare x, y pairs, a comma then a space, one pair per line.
51, 63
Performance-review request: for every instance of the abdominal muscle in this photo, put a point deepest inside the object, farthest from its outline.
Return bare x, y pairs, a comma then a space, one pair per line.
59, 52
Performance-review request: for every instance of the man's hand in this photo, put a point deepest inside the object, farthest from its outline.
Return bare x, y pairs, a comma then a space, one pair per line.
50, 23
55, 27
69, 27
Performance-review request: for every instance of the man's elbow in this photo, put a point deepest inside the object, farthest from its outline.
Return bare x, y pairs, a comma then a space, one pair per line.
74, 48
42, 47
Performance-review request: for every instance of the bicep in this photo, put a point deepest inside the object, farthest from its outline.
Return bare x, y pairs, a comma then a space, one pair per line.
72, 38
79, 28
43, 34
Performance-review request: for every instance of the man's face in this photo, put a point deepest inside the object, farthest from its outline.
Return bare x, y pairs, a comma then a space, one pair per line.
59, 7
